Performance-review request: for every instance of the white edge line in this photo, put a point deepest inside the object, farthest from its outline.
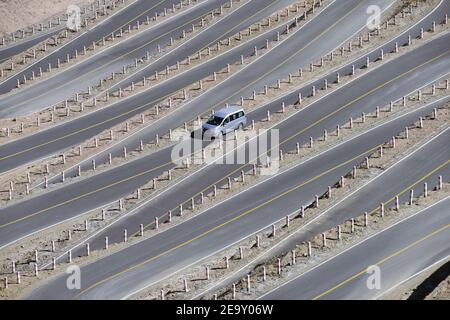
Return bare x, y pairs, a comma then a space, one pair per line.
265, 227
282, 241
126, 215
203, 168
104, 50
353, 246
411, 277
74, 39
159, 119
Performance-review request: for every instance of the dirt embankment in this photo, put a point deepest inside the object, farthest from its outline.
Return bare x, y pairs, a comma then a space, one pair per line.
18, 14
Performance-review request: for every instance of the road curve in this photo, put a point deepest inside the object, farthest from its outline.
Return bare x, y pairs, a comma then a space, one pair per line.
306, 45
400, 251
148, 261
388, 83
100, 65
129, 15
147, 133
424, 164
310, 124
20, 46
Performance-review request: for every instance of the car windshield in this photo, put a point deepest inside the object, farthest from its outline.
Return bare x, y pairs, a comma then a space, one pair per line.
214, 120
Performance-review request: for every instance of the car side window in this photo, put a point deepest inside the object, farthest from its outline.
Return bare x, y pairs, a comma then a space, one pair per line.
227, 120
241, 114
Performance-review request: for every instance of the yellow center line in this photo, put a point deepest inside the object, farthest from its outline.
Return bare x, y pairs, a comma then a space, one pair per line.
413, 184
81, 196
126, 23
139, 16
165, 164
93, 71
309, 127
359, 274
138, 108
237, 217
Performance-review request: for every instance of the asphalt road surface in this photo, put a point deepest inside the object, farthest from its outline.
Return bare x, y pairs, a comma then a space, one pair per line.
400, 251
20, 46
136, 11
409, 173
307, 44
129, 270
100, 65
387, 83
147, 133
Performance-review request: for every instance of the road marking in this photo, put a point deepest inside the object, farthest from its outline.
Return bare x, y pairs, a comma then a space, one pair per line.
314, 124
161, 98
312, 221
235, 218
113, 276
101, 122
355, 245
109, 62
81, 196
165, 164
411, 277
86, 32
414, 184
393, 255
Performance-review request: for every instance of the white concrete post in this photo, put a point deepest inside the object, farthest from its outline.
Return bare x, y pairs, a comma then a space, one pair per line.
324, 240
279, 266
